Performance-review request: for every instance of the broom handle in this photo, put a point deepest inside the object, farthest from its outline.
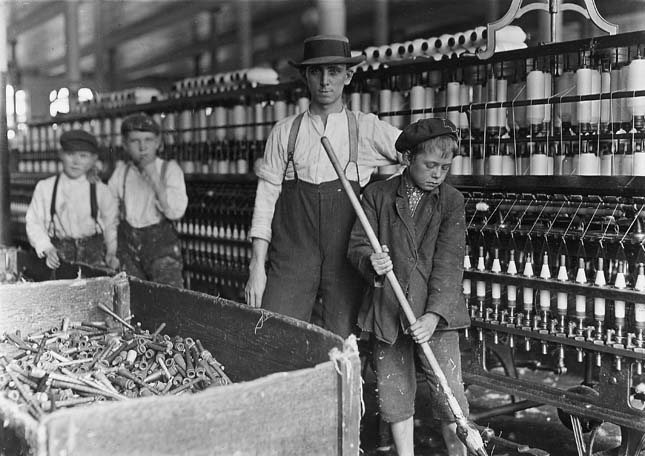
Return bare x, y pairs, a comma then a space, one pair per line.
398, 291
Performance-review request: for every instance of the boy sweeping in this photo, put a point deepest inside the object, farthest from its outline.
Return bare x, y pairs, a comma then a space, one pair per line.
421, 219
71, 217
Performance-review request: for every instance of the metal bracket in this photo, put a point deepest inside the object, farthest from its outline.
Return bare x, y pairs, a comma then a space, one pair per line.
516, 10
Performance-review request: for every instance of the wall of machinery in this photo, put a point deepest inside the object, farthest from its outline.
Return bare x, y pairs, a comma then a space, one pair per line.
552, 165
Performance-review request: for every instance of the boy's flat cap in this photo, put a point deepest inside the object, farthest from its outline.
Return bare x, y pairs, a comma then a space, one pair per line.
139, 122
79, 141
422, 130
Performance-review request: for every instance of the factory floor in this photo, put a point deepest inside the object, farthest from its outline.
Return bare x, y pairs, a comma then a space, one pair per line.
538, 428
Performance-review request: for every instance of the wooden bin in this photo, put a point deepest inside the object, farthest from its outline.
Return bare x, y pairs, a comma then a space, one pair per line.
297, 389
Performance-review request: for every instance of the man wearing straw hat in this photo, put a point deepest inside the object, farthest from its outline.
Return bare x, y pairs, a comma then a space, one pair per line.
302, 219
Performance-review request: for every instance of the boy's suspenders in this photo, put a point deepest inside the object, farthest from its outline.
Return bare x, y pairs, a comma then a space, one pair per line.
94, 208
352, 126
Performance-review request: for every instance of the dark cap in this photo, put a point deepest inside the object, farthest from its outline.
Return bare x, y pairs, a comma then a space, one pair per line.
422, 130
327, 50
139, 122
79, 141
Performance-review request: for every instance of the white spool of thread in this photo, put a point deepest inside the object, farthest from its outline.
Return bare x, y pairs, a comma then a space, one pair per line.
169, 127
383, 50
452, 91
477, 38
385, 103
625, 111
466, 165
218, 119
279, 110
595, 105
464, 100
539, 165
605, 107
470, 37
397, 105
607, 165
548, 83
355, 101
239, 117
268, 117
535, 90
614, 104
417, 101
258, 117
636, 81
639, 164
419, 47
456, 169
492, 116
303, 103
185, 122
495, 165
250, 115
508, 165
430, 103
372, 53
476, 116
202, 125
366, 102
588, 164
502, 95
447, 43
563, 84
583, 87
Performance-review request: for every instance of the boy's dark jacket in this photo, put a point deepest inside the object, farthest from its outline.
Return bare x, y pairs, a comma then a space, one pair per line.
429, 268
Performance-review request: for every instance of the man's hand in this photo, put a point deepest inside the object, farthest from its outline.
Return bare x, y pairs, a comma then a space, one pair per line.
255, 286
51, 258
112, 261
423, 329
381, 262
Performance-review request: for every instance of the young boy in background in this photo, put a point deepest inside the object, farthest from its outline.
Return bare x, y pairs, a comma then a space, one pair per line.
71, 217
151, 194
421, 220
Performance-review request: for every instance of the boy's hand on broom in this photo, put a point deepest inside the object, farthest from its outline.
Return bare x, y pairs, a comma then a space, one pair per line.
423, 329
381, 261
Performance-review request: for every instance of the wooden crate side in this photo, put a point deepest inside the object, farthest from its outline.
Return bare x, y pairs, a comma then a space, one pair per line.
251, 342
281, 414
30, 307
19, 432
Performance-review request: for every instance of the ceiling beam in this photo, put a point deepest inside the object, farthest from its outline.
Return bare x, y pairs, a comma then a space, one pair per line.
37, 14
284, 19
167, 16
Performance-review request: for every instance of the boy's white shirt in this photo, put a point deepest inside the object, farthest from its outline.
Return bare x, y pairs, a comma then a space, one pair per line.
73, 212
142, 207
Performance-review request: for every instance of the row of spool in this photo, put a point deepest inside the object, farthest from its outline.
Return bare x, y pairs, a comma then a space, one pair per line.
252, 119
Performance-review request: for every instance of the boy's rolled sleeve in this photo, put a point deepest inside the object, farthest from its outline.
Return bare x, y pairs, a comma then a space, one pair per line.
176, 196
444, 286
36, 222
266, 197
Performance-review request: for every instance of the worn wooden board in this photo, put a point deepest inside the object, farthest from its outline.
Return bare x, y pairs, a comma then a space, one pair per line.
251, 342
294, 413
297, 402
33, 306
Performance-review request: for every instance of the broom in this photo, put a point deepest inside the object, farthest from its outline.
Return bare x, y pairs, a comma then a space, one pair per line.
468, 435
